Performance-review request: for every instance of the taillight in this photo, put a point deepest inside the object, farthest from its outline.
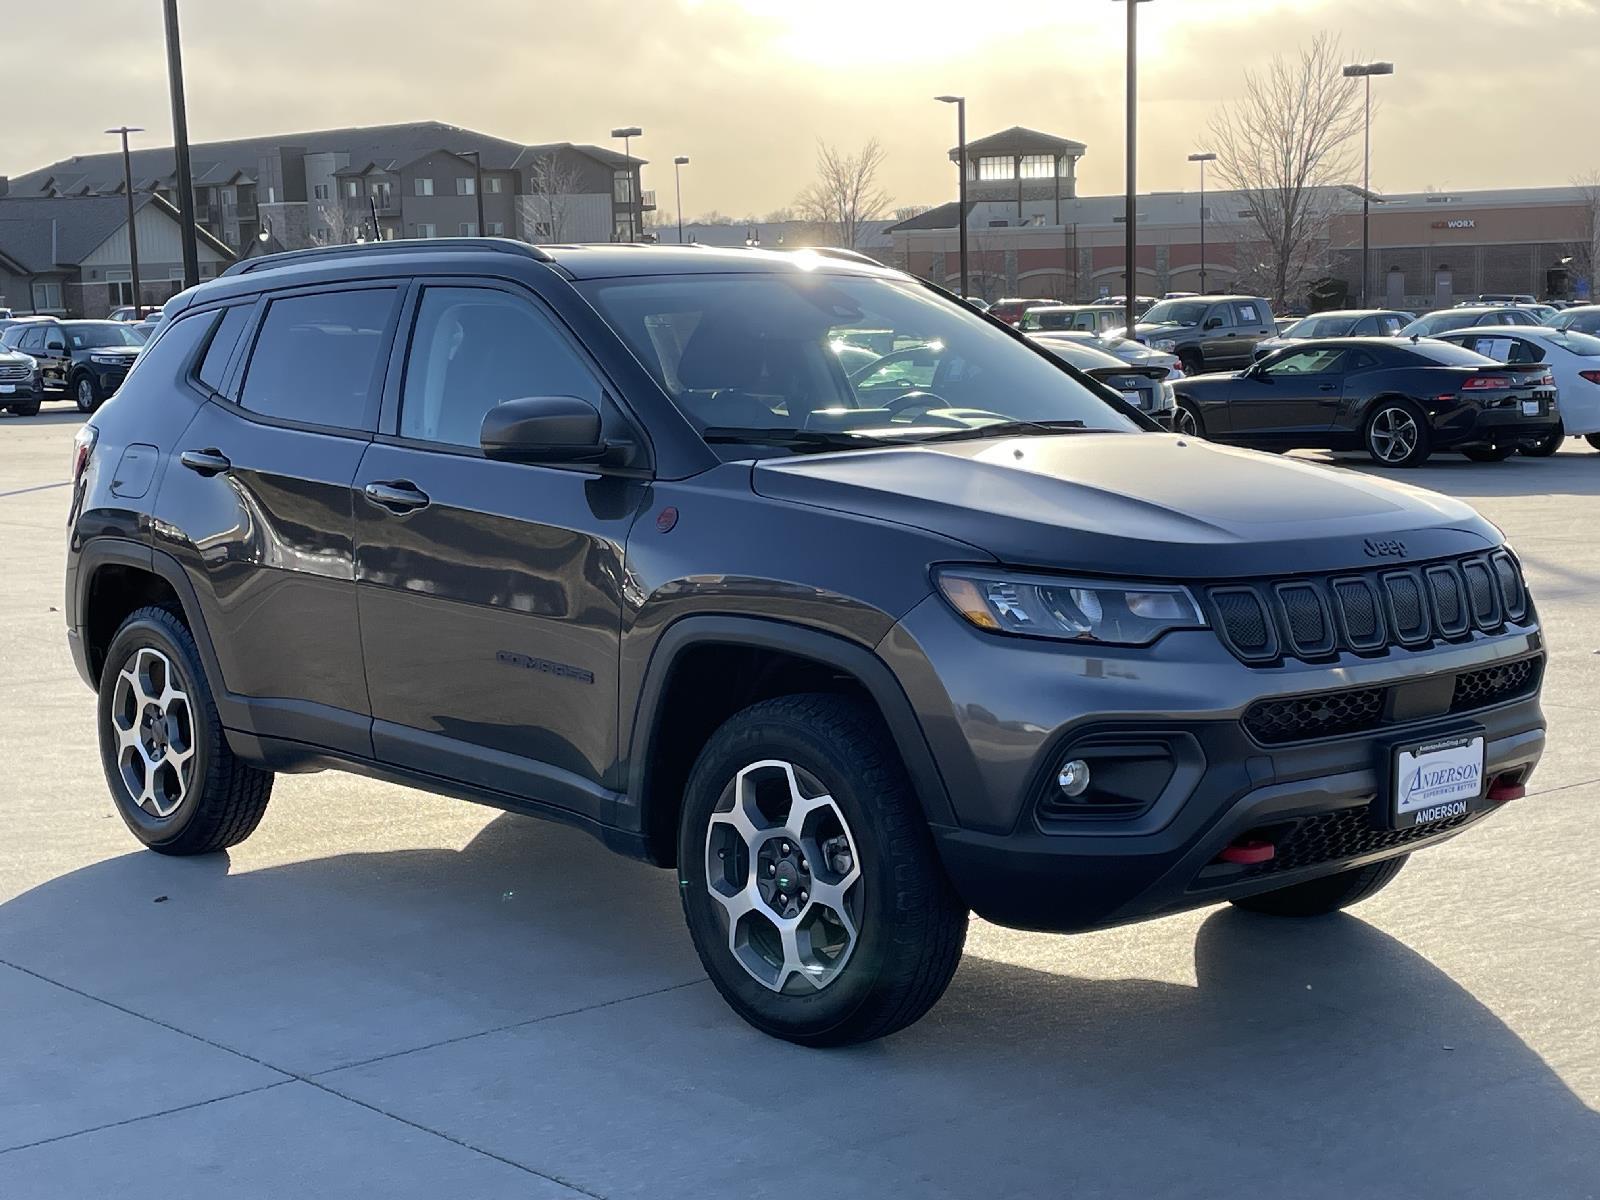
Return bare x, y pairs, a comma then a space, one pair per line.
82, 447
1591, 376
1484, 383
1547, 380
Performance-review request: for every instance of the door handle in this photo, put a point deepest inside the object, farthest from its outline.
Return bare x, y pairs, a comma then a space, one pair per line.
207, 462
1328, 387
398, 496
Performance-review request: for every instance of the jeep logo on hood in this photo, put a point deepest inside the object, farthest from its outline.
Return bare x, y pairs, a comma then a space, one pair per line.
1384, 548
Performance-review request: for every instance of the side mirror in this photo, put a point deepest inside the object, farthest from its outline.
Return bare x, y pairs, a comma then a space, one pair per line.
543, 429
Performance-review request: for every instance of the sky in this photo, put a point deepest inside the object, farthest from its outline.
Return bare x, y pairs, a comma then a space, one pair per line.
747, 88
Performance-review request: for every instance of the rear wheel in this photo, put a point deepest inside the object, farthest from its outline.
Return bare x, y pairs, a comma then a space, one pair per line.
1328, 894
809, 879
1397, 434
177, 785
86, 392
1488, 454
29, 408
1593, 439
1547, 445
1186, 420
1193, 364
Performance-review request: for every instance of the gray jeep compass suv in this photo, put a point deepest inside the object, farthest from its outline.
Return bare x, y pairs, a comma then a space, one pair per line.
610, 535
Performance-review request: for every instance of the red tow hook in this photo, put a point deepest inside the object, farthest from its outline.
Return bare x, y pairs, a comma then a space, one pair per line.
1504, 789
1247, 852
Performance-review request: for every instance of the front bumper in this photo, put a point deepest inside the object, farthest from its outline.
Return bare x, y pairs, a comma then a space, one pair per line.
21, 392
1002, 714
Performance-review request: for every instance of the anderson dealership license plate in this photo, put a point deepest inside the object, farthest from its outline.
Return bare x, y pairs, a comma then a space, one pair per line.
1437, 780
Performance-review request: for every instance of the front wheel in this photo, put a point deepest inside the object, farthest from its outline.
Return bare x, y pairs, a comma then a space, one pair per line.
86, 392
1186, 421
1547, 445
1318, 897
1593, 439
1488, 454
1397, 434
29, 408
809, 879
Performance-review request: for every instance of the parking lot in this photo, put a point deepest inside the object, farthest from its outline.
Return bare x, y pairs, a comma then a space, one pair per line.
393, 994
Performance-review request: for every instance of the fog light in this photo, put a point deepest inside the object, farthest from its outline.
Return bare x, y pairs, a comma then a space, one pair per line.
1074, 777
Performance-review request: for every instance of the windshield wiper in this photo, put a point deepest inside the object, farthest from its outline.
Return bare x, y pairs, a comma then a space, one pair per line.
1007, 429
793, 439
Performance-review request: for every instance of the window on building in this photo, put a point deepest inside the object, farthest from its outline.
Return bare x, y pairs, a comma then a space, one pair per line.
621, 228
997, 167
497, 229
214, 366
469, 229
475, 348
1038, 166
316, 357
494, 185
324, 233
319, 191
119, 287
352, 188
388, 234
424, 185
426, 229
622, 187
466, 185
46, 296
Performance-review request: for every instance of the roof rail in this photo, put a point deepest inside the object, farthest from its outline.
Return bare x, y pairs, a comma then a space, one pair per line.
398, 246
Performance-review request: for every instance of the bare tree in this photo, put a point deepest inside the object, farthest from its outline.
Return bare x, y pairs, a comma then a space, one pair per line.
845, 195
1585, 251
345, 223
1286, 145
552, 182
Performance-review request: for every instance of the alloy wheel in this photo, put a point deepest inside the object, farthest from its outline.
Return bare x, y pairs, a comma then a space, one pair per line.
154, 725
1183, 421
1394, 435
782, 864
85, 394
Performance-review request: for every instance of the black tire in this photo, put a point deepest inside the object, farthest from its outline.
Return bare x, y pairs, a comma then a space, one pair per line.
1317, 897
85, 392
225, 797
911, 925
1489, 454
1186, 420
1193, 363
1547, 445
1593, 439
1384, 415
28, 408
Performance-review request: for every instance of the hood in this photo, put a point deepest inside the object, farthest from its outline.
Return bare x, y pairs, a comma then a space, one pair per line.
1143, 505
14, 356
124, 351
1144, 330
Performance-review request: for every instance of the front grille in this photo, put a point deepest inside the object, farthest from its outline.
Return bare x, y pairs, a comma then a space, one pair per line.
1346, 833
14, 372
1316, 619
1280, 721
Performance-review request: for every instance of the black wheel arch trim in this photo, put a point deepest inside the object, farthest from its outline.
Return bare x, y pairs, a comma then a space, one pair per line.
851, 658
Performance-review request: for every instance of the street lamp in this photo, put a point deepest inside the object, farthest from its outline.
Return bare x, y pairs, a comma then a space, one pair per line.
133, 237
180, 148
477, 183
1203, 159
1365, 72
627, 134
961, 175
1131, 247
678, 164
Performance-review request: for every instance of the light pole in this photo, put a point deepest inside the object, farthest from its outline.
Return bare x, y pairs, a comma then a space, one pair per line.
180, 148
627, 134
678, 164
961, 175
1365, 72
477, 183
1131, 246
1203, 159
133, 237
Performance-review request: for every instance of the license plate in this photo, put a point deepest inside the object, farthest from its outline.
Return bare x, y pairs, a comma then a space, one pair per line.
7, 389
1437, 780
1134, 398
1530, 408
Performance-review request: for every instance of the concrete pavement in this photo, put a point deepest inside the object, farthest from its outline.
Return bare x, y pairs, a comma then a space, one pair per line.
388, 993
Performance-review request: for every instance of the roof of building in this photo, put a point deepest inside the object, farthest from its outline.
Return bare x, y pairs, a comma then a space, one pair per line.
239, 160
942, 216
46, 233
1019, 139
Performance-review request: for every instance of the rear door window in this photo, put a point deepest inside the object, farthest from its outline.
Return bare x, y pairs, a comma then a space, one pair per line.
316, 360
1248, 313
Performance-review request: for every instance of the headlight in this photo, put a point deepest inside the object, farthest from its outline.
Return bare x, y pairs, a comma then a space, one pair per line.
1078, 610
109, 360
1165, 345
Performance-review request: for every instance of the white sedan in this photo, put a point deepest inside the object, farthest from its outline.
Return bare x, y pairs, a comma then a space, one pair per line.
1574, 360
1134, 353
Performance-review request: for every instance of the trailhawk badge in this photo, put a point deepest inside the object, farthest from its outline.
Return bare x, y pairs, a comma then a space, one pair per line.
1437, 780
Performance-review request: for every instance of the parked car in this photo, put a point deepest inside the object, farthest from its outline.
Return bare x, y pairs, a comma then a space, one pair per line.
6, 314
1144, 387
614, 542
1010, 311
1398, 400
1582, 318
1572, 358
1209, 334
7, 324
1126, 349
1445, 319
128, 313
977, 302
1352, 322
1505, 298
21, 388
87, 359
1088, 318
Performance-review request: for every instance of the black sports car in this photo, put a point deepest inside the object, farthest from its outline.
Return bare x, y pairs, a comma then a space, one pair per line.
1399, 399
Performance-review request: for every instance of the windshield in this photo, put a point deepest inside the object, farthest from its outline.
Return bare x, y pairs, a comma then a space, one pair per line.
102, 333
840, 356
1177, 312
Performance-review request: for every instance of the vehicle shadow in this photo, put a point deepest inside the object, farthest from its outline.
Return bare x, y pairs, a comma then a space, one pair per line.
48, 416
1568, 473
1307, 1059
